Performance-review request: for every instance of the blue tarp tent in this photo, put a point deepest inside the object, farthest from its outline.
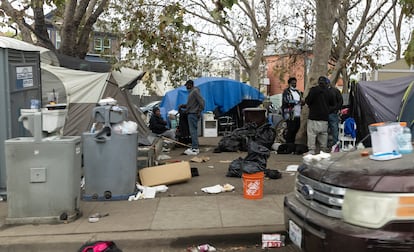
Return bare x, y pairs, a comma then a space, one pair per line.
220, 95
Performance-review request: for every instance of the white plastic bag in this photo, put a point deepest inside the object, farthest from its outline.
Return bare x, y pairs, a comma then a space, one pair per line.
125, 127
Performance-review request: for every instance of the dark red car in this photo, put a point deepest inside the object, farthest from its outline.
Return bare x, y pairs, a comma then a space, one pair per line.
352, 203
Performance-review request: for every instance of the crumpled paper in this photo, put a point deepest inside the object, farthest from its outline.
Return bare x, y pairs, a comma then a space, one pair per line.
218, 188
147, 192
200, 159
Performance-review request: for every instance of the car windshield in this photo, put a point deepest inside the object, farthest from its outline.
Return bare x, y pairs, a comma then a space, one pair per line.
151, 105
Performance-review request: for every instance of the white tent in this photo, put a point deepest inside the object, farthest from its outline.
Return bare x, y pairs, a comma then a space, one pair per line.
81, 91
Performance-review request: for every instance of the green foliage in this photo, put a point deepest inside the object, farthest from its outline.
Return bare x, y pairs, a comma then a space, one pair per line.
157, 38
409, 53
407, 7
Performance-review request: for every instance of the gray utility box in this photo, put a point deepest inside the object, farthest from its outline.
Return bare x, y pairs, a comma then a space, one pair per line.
110, 165
43, 179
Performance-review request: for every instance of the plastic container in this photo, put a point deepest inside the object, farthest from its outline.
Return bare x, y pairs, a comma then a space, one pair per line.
404, 140
253, 185
384, 137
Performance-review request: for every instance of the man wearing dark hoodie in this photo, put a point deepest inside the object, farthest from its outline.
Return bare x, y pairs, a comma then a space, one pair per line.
194, 106
317, 125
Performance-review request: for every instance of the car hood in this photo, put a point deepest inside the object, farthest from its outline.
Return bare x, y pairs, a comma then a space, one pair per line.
351, 170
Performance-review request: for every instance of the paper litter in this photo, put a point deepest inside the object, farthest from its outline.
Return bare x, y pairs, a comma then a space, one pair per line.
273, 241
200, 159
147, 192
218, 188
292, 168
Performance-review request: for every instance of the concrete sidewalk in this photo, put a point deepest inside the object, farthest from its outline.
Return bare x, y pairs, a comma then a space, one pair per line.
170, 218
150, 221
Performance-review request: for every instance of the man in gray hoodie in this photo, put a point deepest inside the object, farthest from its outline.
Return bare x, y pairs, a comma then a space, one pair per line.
193, 108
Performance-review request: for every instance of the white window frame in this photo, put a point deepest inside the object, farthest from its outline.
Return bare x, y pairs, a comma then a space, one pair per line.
98, 44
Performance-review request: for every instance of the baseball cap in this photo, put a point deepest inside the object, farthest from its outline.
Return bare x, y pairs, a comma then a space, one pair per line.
189, 82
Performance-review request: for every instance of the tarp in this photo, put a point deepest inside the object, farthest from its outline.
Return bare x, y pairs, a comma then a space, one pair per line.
220, 95
82, 90
382, 101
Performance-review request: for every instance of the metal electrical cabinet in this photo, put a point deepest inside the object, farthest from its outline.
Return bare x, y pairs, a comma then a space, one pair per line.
43, 179
110, 167
109, 158
19, 84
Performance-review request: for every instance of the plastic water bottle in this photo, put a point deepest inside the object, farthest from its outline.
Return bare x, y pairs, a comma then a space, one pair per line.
404, 141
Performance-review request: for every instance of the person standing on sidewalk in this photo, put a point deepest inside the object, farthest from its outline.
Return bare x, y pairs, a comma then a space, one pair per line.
291, 106
334, 108
318, 101
193, 108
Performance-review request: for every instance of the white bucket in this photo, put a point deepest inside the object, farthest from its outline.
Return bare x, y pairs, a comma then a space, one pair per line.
384, 137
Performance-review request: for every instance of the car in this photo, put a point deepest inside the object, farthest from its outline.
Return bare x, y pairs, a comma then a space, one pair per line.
147, 110
350, 202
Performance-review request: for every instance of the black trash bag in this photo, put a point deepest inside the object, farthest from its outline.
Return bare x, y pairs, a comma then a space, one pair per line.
301, 149
228, 144
286, 148
259, 154
273, 174
251, 167
265, 135
235, 168
237, 141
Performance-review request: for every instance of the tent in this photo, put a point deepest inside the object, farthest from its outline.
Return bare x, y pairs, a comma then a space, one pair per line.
81, 91
382, 101
221, 95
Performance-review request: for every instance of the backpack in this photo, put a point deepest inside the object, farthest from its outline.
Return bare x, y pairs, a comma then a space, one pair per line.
99, 246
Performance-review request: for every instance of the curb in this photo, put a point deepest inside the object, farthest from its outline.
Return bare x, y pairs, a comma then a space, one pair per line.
151, 240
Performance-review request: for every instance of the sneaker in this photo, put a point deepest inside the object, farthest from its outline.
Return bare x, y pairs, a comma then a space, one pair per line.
190, 151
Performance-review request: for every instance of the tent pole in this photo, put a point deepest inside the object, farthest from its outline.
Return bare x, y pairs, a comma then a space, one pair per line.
169, 139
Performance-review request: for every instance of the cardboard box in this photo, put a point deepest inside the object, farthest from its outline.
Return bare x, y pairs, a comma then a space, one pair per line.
165, 174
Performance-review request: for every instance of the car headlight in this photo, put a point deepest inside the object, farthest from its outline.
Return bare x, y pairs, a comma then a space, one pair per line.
373, 209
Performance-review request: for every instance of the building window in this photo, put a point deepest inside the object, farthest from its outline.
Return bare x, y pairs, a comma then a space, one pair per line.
98, 44
101, 44
107, 43
58, 40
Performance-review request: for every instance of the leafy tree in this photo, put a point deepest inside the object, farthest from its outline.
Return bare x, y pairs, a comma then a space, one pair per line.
408, 9
245, 25
352, 45
150, 30
157, 38
77, 22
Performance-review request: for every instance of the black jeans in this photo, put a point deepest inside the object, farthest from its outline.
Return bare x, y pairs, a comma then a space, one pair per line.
292, 128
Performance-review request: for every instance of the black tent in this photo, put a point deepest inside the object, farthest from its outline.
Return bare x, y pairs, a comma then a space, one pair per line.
382, 101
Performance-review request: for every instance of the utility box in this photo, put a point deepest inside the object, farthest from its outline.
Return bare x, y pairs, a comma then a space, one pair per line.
110, 158
43, 179
110, 166
19, 86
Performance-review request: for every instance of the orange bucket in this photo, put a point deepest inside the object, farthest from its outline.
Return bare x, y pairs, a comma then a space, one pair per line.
253, 185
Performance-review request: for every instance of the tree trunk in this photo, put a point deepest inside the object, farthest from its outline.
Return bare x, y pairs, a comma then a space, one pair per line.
40, 29
325, 19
